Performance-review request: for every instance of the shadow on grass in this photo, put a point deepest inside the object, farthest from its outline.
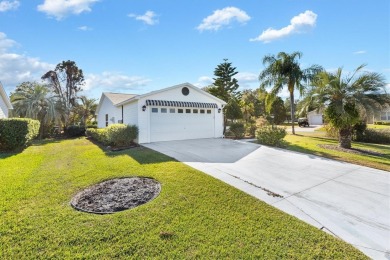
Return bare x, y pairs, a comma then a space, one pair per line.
7, 154
140, 154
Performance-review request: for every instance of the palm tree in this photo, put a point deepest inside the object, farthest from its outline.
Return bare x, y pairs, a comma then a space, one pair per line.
86, 110
345, 99
284, 70
34, 101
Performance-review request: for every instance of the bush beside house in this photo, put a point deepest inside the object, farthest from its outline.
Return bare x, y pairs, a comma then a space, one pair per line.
17, 133
115, 134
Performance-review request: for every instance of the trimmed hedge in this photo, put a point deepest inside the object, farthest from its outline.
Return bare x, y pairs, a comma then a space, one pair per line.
381, 123
116, 134
121, 134
272, 136
99, 135
75, 131
381, 136
17, 133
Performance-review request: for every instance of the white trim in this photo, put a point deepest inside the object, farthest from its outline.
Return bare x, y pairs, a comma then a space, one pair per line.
5, 97
169, 88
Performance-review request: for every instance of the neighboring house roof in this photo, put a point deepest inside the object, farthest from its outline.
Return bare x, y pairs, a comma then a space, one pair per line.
136, 97
5, 97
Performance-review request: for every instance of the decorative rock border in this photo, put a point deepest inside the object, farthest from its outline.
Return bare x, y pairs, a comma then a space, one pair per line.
116, 195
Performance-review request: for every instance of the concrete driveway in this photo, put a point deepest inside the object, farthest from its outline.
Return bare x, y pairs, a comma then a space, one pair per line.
346, 200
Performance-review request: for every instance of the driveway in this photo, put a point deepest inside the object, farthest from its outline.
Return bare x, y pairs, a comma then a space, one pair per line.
349, 201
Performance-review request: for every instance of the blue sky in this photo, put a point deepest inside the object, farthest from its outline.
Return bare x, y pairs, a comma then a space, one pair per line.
140, 46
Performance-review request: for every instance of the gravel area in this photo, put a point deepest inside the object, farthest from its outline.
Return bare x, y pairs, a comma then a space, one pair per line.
116, 195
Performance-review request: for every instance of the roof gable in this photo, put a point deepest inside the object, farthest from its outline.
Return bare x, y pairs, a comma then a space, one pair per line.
117, 98
114, 98
170, 88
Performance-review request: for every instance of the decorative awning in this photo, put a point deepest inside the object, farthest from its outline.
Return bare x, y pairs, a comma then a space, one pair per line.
166, 103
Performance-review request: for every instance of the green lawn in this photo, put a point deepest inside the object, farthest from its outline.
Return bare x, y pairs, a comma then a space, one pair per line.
195, 216
372, 126
308, 143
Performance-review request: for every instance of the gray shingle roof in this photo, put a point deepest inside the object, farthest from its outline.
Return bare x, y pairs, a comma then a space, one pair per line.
117, 98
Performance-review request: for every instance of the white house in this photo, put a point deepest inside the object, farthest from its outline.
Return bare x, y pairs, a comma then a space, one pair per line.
5, 103
175, 113
315, 117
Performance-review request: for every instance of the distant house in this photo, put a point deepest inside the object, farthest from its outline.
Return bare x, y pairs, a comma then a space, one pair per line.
315, 117
176, 113
5, 103
381, 115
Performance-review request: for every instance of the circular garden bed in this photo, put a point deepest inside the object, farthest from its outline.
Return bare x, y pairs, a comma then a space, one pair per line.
116, 195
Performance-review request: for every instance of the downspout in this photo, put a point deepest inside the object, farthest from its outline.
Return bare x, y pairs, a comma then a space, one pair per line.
122, 115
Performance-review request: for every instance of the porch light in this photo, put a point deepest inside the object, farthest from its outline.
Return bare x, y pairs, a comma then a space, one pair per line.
143, 108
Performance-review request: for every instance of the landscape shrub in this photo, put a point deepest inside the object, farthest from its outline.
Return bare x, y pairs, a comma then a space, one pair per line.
99, 135
75, 131
358, 130
261, 121
17, 133
331, 131
376, 136
272, 136
237, 129
250, 129
121, 134
381, 123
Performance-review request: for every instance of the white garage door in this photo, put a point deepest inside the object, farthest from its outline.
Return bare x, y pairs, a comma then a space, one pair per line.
180, 123
315, 119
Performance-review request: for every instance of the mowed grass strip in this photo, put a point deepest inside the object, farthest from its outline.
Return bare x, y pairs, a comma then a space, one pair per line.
195, 216
308, 143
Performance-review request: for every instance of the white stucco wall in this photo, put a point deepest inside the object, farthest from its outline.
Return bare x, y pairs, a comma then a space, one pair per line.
130, 113
175, 94
3, 108
114, 113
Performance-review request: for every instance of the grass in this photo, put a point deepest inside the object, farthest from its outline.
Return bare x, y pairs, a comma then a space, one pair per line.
195, 216
308, 143
372, 126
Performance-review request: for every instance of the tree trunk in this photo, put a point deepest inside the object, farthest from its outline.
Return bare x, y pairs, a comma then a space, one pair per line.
292, 112
345, 137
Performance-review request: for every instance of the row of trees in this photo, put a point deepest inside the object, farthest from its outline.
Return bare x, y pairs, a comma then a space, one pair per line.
344, 99
55, 102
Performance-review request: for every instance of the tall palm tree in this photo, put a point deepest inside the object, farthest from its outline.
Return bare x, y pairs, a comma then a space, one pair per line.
34, 101
284, 70
345, 99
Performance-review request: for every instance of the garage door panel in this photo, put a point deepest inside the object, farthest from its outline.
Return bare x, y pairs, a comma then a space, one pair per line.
180, 126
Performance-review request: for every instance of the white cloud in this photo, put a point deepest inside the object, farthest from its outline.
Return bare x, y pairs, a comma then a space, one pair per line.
8, 5
248, 80
387, 88
298, 24
5, 43
95, 84
359, 52
148, 17
62, 8
84, 28
203, 81
17, 68
247, 77
223, 17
